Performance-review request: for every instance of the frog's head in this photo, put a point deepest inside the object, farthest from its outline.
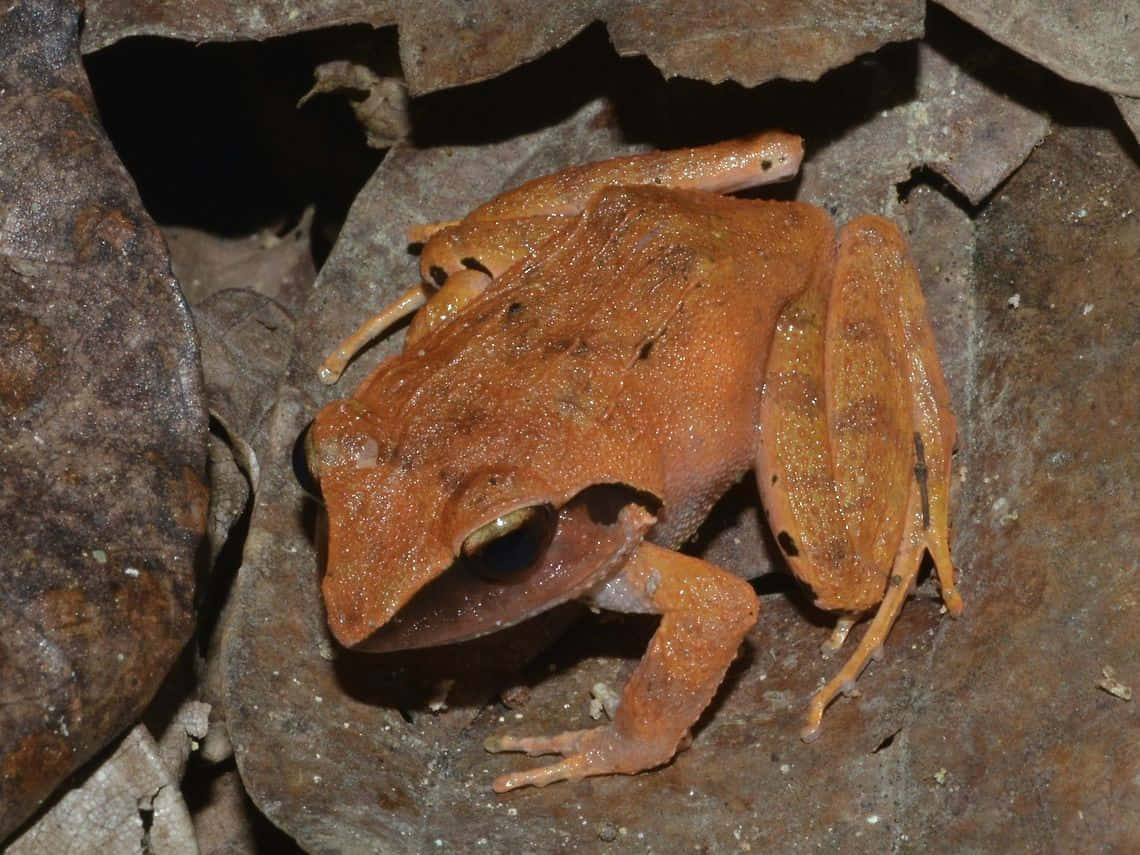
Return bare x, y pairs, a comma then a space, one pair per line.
428, 549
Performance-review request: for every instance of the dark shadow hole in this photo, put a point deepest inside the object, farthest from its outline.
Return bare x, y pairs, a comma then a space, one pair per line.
222, 146
301, 470
218, 579
886, 743
924, 176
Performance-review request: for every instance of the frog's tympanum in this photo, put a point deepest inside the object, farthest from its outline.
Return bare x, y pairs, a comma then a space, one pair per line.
599, 355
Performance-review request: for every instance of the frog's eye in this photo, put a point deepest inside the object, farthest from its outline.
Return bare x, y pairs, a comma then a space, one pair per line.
510, 544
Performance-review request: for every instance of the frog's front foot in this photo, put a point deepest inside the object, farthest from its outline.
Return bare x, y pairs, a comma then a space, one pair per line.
705, 614
597, 751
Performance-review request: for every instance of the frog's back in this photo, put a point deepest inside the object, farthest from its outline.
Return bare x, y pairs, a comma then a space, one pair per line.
630, 350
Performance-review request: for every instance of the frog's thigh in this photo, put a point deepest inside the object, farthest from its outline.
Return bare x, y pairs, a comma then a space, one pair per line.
856, 439
835, 450
882, 257
705, 613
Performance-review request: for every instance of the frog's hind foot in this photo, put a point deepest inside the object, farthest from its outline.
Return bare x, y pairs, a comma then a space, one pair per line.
917, 541
838, 636
870, 647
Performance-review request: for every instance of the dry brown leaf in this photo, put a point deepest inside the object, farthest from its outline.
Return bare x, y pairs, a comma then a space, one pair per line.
336, 743
1097, 44
129, 804
446, 43
382, 112
101, 467
957, 124
336, 736
1130, 110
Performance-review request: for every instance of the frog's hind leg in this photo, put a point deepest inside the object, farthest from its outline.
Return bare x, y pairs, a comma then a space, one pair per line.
874, 263
424, 231
460, 258
856, 442
723, 167
515, 225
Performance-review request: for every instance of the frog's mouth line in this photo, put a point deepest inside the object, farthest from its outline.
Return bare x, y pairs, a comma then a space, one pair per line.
595, 534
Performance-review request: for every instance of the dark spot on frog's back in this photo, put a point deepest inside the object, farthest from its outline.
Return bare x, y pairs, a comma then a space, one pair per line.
469, 421
450, 479
475, 264
514, 309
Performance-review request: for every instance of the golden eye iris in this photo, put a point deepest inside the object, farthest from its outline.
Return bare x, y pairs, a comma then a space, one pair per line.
511, 543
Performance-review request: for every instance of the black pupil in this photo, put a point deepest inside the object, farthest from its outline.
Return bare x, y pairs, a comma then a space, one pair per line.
505, 557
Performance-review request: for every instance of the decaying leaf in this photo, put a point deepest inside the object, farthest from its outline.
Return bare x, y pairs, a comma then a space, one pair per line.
383, 112
1094, 44
446, 43
959, 124
131, 803
101, 465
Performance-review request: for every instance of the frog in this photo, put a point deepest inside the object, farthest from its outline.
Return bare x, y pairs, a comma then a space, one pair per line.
593, 359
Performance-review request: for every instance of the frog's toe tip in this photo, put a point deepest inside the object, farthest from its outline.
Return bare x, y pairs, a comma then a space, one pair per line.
502, 784
953, 602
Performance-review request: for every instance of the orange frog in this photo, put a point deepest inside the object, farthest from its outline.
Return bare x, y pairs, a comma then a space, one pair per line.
609, 349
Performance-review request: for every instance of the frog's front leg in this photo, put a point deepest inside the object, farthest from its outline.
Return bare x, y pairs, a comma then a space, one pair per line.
705, 614
856, 442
